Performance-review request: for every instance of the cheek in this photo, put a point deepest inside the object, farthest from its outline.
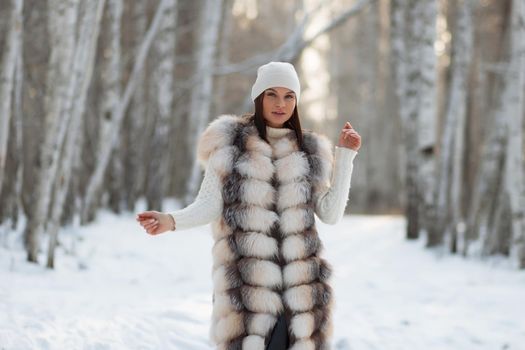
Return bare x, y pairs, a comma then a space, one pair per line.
267, 107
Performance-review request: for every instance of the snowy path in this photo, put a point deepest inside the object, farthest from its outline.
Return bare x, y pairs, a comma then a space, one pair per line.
128, 290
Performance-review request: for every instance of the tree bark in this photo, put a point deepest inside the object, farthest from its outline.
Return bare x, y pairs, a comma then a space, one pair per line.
424, 35
514, 114
488, 184
62, 22
163, 75
111, 91
7, 75
79, 83
136, 144
201, 95
448, 189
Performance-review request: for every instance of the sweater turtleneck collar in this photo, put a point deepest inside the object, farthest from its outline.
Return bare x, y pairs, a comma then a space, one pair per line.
277, 132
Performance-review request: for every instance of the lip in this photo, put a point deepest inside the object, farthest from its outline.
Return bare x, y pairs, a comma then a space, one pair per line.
280, 114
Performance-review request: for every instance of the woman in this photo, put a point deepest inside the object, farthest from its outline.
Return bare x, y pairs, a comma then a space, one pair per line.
265, 178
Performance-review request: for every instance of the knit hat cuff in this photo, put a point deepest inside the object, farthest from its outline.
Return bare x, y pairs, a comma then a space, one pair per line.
276, 74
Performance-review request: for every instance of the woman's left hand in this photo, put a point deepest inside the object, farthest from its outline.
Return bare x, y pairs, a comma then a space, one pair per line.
349, 138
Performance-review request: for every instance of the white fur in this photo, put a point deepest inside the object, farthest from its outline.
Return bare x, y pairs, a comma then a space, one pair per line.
261, 324
263, 273
325, 148
291, 167
302, 325
303, 344
220, 229
256, 144
293, 248
221, 160
293, 220
253, 342
257, 192
258, 245
258, 219
297, 272
220, 282
229, 327
300, 298
221, 305
222, 253
283, 147
292, 194
260, 299
216, 135
255, 165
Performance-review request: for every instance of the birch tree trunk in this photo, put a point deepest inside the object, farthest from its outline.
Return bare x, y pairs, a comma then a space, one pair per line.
514, 114
111, 77
413, 33
201, 95
424, 31
95, 181
136, 145
448, 189
163, 75
7, 76
226, 31
410, 100
79, 83
399, 60
19, 138
488, 184
62, 24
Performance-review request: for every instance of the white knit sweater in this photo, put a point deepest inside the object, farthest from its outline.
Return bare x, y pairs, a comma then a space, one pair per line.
329, 207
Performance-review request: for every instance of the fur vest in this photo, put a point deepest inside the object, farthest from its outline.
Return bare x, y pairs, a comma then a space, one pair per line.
266, 253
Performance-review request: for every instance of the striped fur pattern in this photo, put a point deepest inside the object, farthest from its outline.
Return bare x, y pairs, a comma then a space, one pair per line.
267, 250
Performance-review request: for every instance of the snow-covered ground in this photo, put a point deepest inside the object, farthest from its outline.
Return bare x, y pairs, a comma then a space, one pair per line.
124, 289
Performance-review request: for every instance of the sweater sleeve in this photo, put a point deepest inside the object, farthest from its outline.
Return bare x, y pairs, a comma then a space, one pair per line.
330, 206
207, 205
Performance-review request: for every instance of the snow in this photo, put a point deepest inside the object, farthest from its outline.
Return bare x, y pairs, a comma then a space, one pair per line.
115, 287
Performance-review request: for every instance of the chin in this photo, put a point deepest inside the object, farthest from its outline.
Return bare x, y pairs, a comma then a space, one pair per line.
277, 122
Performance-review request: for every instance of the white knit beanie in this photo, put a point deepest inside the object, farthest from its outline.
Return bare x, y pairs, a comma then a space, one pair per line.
276, 74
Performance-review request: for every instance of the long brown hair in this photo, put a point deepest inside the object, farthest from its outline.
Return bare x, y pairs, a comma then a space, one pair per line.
260, 123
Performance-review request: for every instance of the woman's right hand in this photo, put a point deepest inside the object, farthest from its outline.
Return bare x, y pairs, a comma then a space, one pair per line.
155, 222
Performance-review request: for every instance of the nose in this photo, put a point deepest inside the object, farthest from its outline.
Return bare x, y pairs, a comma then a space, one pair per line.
280, 102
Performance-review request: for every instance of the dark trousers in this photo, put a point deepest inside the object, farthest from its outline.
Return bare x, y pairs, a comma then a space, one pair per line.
279, 338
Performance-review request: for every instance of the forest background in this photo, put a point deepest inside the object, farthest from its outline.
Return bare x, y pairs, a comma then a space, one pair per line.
101, 103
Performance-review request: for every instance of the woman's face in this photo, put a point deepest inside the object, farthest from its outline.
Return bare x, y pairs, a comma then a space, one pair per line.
278, 106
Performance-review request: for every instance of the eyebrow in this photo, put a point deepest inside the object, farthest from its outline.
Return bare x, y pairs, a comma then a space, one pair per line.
288, 92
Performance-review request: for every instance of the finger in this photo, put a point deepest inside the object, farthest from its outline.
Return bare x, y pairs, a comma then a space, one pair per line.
348, 125
142, 217
147, 214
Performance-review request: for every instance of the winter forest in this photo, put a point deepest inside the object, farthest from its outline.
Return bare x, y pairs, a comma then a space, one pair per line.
102, 102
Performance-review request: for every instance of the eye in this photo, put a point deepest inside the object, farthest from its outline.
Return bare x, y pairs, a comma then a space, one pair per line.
289, 96
269, 93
